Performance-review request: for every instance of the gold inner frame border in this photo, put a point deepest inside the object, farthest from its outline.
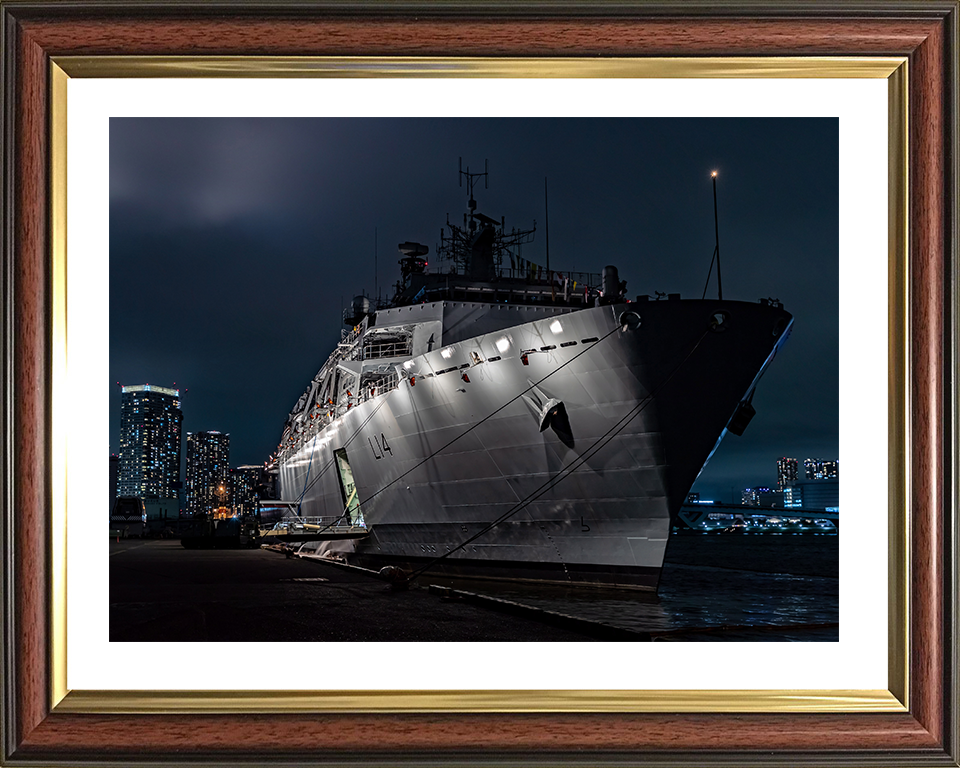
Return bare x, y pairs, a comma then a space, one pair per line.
895, 699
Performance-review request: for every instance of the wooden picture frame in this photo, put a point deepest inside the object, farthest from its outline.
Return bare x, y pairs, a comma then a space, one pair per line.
40, 726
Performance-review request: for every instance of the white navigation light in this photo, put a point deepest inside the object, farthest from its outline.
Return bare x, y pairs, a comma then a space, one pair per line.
503, 344
445, 353
556, 327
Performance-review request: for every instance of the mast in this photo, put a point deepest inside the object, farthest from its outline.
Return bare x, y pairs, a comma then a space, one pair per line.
546, 221
716, 227
716, 250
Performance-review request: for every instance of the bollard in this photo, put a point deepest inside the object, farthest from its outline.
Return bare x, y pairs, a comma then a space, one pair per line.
394, 576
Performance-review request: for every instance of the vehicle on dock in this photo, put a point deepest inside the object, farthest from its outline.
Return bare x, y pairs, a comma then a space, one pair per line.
128, 518
499, 419
209, 532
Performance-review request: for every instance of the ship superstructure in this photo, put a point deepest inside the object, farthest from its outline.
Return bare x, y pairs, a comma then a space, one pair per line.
500, 420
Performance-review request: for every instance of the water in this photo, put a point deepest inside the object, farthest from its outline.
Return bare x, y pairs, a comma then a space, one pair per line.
717, 587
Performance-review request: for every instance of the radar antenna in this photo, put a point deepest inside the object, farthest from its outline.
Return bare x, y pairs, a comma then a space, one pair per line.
478, 248
471, 180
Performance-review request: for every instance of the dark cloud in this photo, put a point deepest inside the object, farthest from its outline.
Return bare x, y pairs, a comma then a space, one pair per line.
234, 242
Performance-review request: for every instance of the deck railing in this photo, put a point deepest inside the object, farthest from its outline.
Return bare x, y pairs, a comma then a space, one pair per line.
387, 349
333, 521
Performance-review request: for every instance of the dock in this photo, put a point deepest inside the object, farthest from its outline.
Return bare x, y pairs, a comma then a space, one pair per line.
750, 587
160, 591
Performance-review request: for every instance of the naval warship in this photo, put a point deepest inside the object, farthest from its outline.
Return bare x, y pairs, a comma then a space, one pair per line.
498, 420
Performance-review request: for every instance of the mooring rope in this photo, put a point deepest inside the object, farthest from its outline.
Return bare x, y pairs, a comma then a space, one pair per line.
569, 468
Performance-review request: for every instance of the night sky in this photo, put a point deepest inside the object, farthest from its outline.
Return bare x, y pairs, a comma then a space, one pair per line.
235, 242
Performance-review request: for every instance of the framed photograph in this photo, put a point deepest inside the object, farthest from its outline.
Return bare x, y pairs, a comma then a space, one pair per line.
909, 51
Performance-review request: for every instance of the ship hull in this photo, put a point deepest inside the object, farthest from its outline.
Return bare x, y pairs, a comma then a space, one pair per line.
554, 450
569, 553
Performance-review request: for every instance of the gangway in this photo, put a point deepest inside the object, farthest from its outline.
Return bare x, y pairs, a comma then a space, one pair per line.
312, 529
280, 521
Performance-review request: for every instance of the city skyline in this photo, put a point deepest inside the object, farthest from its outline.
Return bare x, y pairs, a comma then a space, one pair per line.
207, 471
150, 440
258, 230
240, 483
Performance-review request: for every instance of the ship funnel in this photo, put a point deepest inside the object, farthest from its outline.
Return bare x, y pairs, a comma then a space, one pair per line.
612, 287
480, 264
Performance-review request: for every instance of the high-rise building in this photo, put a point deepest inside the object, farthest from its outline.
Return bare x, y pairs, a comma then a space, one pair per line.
268, 481
819, 469
793, 496
114, 477
786, 472
243, 487
207, 479
751, 497
821, 494
150, 419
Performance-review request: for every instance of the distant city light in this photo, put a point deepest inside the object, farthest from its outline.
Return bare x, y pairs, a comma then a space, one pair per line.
821, 469
149, 388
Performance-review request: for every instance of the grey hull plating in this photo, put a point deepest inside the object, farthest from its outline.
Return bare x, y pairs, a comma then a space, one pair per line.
630, 415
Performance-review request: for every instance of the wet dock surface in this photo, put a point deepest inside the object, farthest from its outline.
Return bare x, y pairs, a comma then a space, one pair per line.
162, 592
